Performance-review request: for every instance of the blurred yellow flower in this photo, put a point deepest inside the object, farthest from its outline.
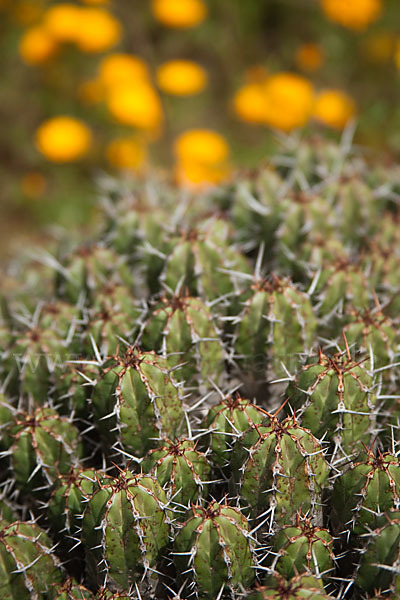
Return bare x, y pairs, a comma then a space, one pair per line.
179, 13
90, 91
202, 146
97, 1
198, 176
202, 156
137, 105
249, 103
181, 77
334, 108
120, 68
63, 139
126, 153
33, 184
289, 101
37, 46
354, 14
62, 21
309, 57
97, 30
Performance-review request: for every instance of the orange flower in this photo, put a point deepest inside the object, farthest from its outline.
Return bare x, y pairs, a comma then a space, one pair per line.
62, 21
137, 105
120, 68
202, 146
63, 139
198, 176
283, 100
249, 103
334, 108
37, 46
201, 158
309, 57
289, 101
97, 30
354, 14
179, 13
181, 77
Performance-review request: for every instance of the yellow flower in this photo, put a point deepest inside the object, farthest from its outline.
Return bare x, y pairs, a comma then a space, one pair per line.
37, 46
202, 146
97, 30
289, 101
62, 21
334, 108
119, 68
63, 139
181, 77
179, 13
309, 57
201, 158
354, 14
199, 176
126, 153
97, 1
33, 184
137, 105
249, 103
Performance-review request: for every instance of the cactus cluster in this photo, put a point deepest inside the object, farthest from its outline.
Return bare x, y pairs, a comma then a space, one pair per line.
202, 400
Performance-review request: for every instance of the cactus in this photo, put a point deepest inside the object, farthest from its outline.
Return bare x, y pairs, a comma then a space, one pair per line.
169, 428
333, 395
278, 469
379, 568
43, 446
71, 590
28, 567
301, 586
303, 548
225, 421
214, 544
277, 323
113, 315
367, 492
124, 529
181, 470
137, 397
182, 328
200, 261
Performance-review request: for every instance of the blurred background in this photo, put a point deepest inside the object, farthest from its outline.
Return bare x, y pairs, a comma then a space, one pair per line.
193, 89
